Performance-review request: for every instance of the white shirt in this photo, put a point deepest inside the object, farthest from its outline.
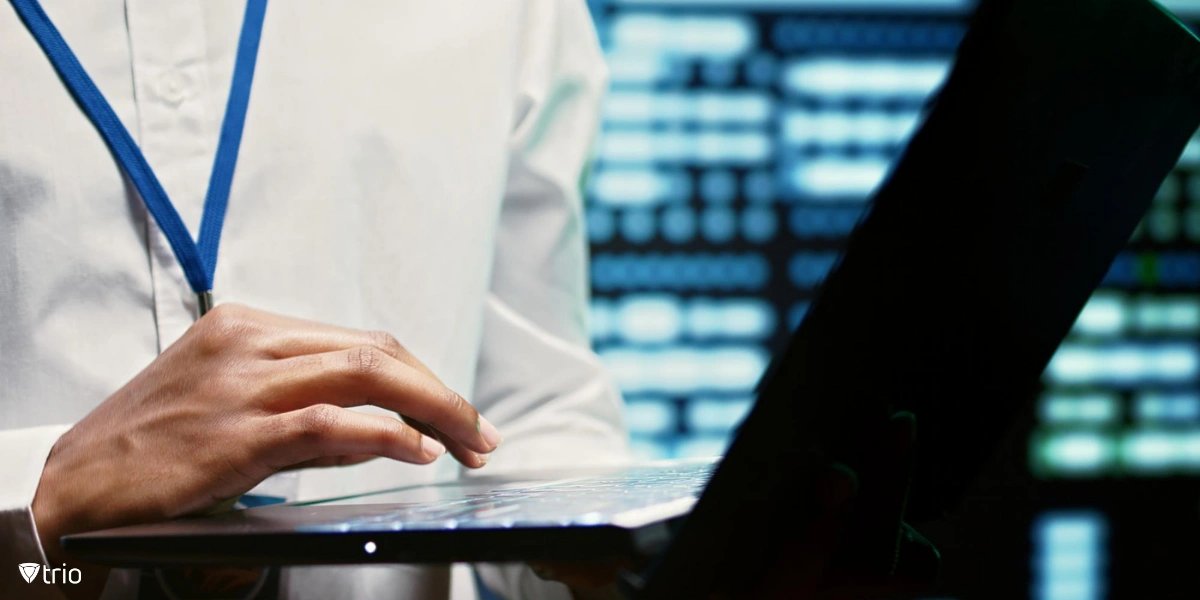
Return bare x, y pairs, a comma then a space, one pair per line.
407, 166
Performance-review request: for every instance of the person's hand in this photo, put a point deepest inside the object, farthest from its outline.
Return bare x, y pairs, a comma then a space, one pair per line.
804, 570
587, 580
811, 567
808, 568
242, 395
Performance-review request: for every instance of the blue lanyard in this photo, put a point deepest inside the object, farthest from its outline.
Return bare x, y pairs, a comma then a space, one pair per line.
199, 260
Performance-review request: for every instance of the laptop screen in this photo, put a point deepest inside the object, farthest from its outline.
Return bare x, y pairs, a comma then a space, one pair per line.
1040, 157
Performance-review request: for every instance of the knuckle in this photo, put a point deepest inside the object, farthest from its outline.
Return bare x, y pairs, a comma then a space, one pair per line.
223, 326
454, 405
223, 312
395, 431
318, 422
455, 402
364, 360
386, 342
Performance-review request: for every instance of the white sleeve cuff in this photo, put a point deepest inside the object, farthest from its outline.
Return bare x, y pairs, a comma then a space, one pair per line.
23, 454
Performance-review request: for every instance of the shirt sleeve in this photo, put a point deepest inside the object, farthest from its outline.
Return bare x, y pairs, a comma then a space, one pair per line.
24, 453
538, 380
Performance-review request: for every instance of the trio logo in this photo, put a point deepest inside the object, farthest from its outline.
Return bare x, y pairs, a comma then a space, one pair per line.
30, 571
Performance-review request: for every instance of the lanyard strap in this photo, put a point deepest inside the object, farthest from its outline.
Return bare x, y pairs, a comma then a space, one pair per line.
199, 260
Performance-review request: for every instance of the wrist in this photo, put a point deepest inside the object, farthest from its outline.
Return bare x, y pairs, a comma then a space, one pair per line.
52, 520
47, 514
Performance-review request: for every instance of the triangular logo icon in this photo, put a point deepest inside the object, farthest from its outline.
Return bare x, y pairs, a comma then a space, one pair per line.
29, 571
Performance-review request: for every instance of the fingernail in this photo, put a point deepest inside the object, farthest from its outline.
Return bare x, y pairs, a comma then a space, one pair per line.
483, 458
432, 447
489, 432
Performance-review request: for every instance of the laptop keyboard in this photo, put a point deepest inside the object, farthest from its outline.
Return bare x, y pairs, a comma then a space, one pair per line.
620, 499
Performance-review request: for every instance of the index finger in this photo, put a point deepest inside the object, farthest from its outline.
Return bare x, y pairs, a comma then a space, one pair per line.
366, 375
282, 337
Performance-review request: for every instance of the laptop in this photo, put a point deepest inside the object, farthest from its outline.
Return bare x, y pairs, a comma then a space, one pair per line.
1029, 174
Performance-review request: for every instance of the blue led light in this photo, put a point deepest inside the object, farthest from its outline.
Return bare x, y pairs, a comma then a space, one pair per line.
1126, 363
840, 78
742, 148
718, 186
758, 187
679, 225
753, 272
1167, 314
600, 225
638, 225
808, 269
718, 73
822, 222
1095, 408
811, 34
838, 178
637, 68
1105, 314
759, 224
715, 36
718, 224
732, 369
646, 270
643, 108
762, 70
716, 415
841, 128
1179, 269
1070, 530
1163, 224
1074, 453
735, 318
1069, 556
637, 186
796, 314
649, 319
700, 271
1158, 407
1122, 273
650, 416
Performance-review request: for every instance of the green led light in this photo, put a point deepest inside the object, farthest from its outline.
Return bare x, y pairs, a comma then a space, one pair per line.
1147, 269
1142, 452
1092, 409
1148, 452
1074, 454
1163, 224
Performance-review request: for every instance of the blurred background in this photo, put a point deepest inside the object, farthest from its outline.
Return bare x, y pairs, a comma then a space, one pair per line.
741, 140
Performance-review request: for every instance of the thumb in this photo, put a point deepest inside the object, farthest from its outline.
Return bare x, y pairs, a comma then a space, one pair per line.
799, 570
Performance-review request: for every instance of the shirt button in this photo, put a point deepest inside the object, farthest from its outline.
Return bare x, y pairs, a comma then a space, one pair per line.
173, 87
